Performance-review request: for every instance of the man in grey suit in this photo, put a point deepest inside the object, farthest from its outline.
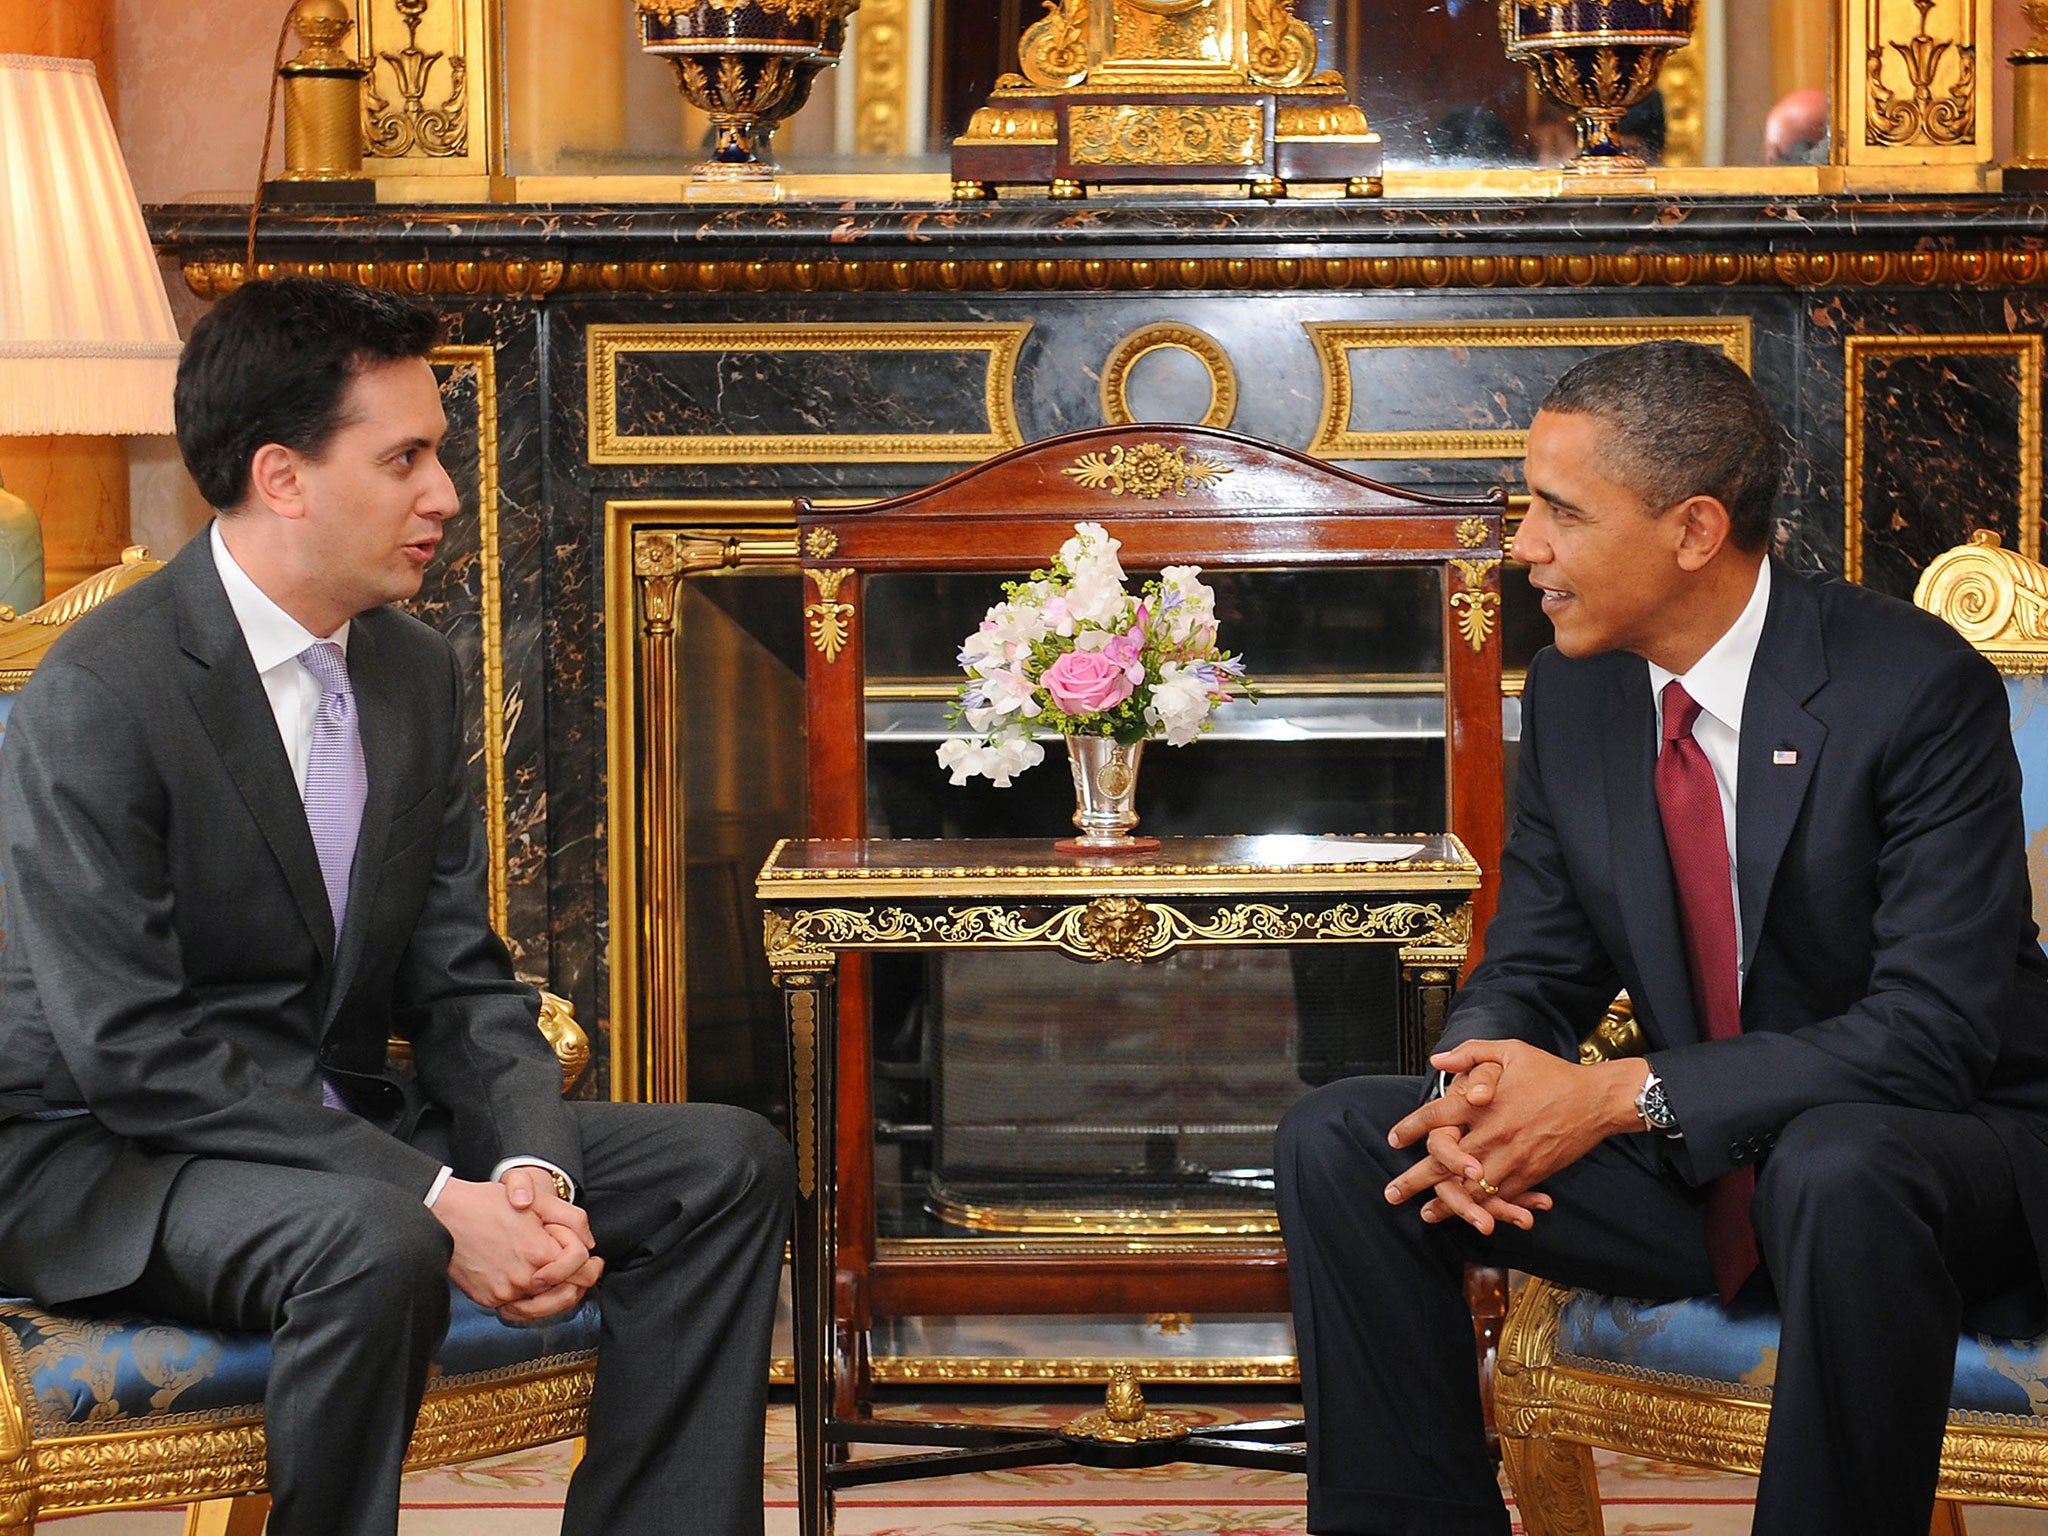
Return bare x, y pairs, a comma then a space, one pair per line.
239, 853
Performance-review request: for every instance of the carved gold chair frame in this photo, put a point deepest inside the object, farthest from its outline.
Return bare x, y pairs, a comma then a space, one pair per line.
215, 1461
1554, 1410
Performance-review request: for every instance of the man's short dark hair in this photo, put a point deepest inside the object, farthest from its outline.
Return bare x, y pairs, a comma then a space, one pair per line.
1686, 422
270, 363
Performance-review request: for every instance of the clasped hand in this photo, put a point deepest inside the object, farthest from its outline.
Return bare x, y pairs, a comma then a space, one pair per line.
519, 1246
1512, 1116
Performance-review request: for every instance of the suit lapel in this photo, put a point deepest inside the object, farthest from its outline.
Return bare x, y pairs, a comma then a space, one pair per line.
1642, 864
382, 725
1790, 667
228, 698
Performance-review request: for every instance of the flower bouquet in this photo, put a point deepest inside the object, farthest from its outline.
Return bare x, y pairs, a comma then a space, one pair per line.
1072, 651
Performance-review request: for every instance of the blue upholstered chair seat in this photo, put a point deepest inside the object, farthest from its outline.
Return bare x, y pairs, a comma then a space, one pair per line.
1700, 1345
76, 1371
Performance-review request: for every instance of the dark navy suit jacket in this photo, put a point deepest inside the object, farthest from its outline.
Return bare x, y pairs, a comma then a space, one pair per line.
1885, 905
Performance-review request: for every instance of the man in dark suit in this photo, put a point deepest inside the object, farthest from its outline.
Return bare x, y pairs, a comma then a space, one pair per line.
1784, 813
239, 853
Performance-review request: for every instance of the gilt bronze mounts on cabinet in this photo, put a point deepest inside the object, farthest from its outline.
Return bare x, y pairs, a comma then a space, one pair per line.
1167, 91
748, 64
1596, 59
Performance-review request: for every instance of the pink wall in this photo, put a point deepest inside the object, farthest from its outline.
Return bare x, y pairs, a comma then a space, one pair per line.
193, 77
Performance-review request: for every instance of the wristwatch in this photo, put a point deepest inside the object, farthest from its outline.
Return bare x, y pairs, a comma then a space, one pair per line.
1655, 1108
568, 1191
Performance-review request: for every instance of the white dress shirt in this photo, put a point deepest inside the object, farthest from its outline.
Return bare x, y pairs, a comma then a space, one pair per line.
275, 640
1718, 683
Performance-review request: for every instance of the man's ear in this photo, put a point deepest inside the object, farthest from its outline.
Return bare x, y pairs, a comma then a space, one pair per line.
274, 480
1703, 531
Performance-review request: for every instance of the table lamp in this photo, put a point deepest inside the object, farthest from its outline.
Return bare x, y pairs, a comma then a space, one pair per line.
87, 342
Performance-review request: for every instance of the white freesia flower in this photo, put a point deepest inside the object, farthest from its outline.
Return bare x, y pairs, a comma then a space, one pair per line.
1187, 605
1009, 692
1010, 754
1000, 757
1180, 704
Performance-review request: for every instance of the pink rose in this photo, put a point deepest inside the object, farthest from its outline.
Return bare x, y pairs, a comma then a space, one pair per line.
1086, 683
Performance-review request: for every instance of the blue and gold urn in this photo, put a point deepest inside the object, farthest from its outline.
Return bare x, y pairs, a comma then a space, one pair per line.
1596, 59
748, 64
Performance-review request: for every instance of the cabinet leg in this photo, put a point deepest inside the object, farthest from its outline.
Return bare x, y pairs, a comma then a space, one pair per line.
808, 1002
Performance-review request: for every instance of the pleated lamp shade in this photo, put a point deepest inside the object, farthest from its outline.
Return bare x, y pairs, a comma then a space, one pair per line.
87, 343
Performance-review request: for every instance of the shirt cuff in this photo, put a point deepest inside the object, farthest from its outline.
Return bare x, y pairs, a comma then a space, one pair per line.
1443, 1086
533, 1162
440, 1183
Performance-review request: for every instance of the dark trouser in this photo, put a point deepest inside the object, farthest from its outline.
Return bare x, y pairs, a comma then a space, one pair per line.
1865, 1214
690, 1207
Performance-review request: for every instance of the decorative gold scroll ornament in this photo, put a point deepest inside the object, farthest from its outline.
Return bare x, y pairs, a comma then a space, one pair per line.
414, 127
1108, 928
831, 620
1948, 119
1147, 471
1475, 607
1995, 599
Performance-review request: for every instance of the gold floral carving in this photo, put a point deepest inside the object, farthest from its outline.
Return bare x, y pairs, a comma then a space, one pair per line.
1127, 134
831, 620
1121, 928
1282, 49
196, 1456
1471, 533
1923, 117
1054, 50
414, 128
821, 543
2016, 267
1475, 608
1147, 471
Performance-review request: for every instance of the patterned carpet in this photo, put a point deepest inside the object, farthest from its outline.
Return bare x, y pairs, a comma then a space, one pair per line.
521, 1495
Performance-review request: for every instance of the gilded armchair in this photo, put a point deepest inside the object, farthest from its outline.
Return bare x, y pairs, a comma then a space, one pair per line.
104, 1412
1690, 1381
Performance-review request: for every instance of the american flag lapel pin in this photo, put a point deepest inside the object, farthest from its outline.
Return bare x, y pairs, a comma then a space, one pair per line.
1784, 757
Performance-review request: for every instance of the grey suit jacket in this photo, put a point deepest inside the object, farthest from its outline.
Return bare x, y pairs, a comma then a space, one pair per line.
169, 962
1880, 856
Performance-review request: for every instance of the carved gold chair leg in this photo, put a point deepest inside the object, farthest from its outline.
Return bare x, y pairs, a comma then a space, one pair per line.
1557, 1490
1948, 1519
229, 1517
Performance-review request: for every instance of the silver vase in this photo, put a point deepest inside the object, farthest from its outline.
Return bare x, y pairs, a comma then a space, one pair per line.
1105, 788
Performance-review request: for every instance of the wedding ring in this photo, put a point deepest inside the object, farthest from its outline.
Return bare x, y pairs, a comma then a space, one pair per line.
1488, 1189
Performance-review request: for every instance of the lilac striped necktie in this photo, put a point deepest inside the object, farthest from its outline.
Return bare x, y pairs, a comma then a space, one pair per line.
336, 786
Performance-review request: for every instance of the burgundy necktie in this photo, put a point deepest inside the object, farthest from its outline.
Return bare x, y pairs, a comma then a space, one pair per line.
1696, 835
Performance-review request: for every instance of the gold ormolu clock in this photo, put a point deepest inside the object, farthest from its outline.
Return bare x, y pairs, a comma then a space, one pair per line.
1151, 91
